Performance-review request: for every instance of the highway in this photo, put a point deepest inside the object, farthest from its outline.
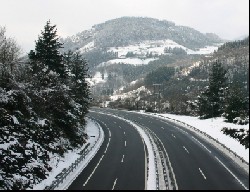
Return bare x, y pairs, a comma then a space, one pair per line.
121, 162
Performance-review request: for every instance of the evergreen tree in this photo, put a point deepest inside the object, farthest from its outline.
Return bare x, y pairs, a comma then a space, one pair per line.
80, 88
237, 101
212, 101
47, 52
56, 82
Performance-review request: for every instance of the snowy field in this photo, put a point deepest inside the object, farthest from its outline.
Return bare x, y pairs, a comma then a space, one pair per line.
157, 47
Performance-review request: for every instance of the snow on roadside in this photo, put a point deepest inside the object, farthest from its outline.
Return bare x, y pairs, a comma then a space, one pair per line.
59, 163
213, 128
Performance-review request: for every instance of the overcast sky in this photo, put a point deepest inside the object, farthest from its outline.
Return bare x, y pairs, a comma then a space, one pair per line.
24, 19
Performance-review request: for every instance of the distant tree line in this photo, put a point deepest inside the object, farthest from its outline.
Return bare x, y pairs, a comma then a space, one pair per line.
235, 44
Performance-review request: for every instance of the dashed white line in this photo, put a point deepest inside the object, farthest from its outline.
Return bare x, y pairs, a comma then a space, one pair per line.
124, 133
232, 174
125, 143
107, 146
162, 127
93, 171
202, 174
122, 158
109, 133
185, 149
181, 130
173, 136
202, 145
114, 184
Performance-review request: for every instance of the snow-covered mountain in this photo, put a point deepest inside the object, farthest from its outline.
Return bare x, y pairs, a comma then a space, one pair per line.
137, 41
126, 31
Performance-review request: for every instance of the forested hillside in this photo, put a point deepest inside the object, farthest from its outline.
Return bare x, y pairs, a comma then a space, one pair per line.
181, 88
129, 30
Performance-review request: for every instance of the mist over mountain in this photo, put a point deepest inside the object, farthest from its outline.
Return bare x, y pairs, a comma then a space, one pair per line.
129, 30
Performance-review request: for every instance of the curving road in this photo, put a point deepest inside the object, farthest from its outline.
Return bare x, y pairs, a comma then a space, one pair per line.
197, 164
120, 163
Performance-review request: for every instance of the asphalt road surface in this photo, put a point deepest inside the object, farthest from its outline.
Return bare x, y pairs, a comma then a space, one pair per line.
120, 163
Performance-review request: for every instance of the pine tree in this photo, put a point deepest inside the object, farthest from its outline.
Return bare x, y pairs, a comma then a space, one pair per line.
217, 88
80, 89
237, 101
53, 86
212, 101
47, 52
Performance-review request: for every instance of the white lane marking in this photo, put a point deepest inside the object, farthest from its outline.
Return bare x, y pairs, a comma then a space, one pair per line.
93, 171
232, 174
107, 146
202, 173
181, 130
173, 136
202, 145
146, 165
162, 127
114, 184
114, 122
109, 133
119, 126
185, 149
122, 158
124, 133
125, 143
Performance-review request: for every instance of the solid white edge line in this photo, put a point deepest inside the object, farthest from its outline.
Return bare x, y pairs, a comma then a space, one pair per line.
202, 145
67, 183
93, 171
107, 146
232, 174
114, 184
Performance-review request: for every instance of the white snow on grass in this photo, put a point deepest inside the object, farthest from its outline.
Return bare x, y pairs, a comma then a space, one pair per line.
203, 51
131, 61
130, 94
147, 47
156, 47
97, 78
87, 47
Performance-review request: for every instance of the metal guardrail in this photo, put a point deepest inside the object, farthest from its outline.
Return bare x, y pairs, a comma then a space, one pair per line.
152, 140
205, 134
66, 171
164, 162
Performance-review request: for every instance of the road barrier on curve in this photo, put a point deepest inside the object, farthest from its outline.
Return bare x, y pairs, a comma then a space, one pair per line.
154, 141
205, 134
60, 178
